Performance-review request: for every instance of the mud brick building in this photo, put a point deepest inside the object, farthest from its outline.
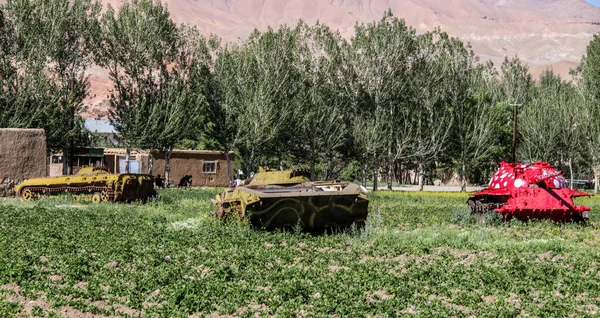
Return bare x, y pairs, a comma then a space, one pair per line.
23, 155
208, 168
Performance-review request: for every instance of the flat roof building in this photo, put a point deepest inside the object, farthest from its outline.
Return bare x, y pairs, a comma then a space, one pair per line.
104, 128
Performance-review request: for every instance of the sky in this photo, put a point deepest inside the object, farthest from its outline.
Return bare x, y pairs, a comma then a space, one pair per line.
594, 2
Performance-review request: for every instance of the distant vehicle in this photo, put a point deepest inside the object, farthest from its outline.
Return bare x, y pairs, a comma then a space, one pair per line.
98, 183
591, 185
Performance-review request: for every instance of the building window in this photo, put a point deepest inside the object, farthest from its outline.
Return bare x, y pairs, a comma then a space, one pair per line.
209, 167
57, 159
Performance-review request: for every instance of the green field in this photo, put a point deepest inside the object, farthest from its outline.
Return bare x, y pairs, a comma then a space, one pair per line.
420, 254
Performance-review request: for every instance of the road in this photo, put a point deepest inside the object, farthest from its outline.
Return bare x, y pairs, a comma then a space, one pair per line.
429, 188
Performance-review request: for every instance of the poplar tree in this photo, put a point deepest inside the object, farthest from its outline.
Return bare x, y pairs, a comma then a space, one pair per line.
261, 83
152, 106
60, 34
322, 112
472, 89
588, 88
516, 88
379, 57
432, 117
223, 104
25, 96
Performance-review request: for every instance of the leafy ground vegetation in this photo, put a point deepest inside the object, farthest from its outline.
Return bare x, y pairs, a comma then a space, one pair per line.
420, 254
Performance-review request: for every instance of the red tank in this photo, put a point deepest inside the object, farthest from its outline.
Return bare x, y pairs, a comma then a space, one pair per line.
526, 192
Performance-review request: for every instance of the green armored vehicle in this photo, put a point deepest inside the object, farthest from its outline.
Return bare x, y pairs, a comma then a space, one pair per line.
100, 184
285, 199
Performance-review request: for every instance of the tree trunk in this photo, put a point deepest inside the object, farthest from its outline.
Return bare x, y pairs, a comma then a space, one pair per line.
150, 162
463, 175
71, 158
65, 164
249, 161
421, 175
571, 172
281, 167
329, 167
596, 169
127, 155
48, 160
312, 168
416, 178
168, 165
463, 179
398, 173
375, 172
248, 167
390, 175
364, 172
229, 177
391, 141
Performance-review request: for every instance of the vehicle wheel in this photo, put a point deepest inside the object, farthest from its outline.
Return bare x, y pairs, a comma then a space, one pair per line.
27, 195
472, 206
104, 196
96, 197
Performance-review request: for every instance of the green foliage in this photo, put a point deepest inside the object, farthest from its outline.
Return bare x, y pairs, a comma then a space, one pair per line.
420, 252
378, 84
351, 171
137, 45
516, 81
323, 121
588, 83
51, 44
299, 96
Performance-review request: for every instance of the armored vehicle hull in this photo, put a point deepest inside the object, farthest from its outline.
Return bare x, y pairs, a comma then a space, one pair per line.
288, 200
100, 184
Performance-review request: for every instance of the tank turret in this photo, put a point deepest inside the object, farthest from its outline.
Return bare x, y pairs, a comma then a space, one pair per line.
276, 177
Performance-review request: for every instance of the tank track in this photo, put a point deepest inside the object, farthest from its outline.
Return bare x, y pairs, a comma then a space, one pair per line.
478, 206
43, 191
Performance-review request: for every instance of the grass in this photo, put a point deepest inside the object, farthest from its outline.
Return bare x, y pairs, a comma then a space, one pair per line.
420, 254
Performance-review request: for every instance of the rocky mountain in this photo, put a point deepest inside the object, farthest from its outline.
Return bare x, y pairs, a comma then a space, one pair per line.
541, 32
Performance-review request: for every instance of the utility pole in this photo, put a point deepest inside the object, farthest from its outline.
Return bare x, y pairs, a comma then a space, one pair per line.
514, 143
71, 122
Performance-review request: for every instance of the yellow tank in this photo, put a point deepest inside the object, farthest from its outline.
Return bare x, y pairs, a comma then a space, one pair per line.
99, 183
288, 199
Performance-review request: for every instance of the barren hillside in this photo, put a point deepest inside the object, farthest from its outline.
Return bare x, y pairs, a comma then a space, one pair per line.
540, 31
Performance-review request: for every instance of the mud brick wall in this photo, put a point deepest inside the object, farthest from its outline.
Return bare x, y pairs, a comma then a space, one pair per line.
189, 162
22, 154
